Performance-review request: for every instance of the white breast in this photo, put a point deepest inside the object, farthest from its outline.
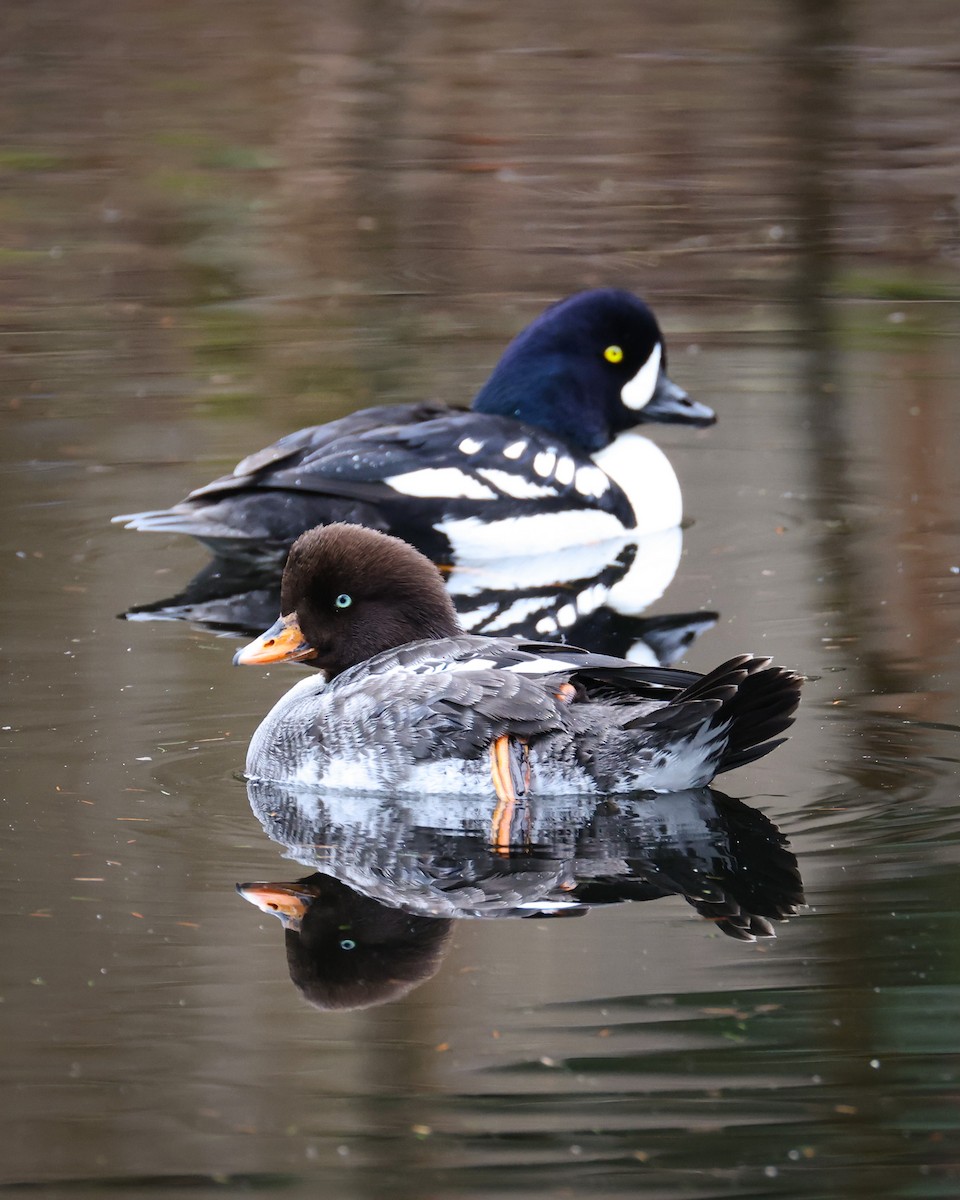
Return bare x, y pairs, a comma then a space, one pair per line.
645, 475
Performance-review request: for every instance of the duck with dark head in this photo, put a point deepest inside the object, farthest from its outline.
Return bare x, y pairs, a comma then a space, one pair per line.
546, 457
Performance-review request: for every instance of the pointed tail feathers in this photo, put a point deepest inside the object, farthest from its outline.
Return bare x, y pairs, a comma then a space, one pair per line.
756, 702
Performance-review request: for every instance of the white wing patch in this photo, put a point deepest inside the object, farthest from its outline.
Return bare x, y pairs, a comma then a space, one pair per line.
470, 445
544, 666
469, 664
564, 470
544, 463
636, 393
514, 450
446, 482
517, 486
591, 481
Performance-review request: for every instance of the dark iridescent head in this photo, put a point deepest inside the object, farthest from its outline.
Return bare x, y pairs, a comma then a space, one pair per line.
348, 593
588, 368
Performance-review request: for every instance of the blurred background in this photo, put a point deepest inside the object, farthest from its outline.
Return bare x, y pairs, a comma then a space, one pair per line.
222, 220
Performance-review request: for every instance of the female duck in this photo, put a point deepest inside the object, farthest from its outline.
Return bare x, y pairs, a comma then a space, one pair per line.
545, 458
409, 703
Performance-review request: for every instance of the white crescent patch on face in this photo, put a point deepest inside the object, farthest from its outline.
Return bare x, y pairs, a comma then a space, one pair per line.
637, 392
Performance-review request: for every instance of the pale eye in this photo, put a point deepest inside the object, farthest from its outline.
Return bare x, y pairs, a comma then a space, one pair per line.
613, 354
348, 944
343, 600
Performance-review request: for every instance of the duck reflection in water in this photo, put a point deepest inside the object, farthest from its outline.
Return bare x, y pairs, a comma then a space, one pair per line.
589, 595
391, 874
346, 951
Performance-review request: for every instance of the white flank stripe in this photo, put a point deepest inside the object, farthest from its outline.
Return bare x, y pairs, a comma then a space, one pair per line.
446, 482
636, 392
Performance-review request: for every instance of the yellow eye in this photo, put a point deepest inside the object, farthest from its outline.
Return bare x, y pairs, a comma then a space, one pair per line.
613, 354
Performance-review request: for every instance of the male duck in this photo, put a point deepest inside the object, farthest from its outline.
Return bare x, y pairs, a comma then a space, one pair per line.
545, 458
407, 702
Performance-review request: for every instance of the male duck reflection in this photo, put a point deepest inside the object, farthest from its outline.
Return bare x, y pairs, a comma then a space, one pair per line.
409, 702
591, 596
545, 458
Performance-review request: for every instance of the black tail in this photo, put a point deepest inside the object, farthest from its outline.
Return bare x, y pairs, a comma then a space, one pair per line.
757, 701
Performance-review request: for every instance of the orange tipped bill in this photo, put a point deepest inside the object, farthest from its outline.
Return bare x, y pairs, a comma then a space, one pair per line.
282, 642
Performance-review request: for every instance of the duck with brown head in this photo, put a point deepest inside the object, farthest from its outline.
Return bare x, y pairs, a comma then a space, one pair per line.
353, 596
408, 703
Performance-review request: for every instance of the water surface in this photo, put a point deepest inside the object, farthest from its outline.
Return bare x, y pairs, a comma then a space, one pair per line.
227, 220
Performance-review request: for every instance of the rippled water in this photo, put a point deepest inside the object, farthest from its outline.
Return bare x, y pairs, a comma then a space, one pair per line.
222, 221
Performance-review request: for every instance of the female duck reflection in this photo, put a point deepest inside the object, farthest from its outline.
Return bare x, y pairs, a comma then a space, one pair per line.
391, 874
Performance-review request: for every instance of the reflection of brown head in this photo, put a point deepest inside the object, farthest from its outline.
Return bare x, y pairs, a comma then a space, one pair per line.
346, 951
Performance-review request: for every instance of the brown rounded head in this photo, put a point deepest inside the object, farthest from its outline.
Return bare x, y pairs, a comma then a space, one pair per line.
348, 593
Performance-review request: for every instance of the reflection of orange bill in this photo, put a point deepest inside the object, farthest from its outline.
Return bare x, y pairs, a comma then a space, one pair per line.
288, 901
510, 770
282, 642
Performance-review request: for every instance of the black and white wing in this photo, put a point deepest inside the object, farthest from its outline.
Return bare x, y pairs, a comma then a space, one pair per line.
430, 475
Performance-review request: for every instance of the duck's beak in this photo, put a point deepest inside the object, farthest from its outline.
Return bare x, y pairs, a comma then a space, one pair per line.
282, 642
288, 901
671, 405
